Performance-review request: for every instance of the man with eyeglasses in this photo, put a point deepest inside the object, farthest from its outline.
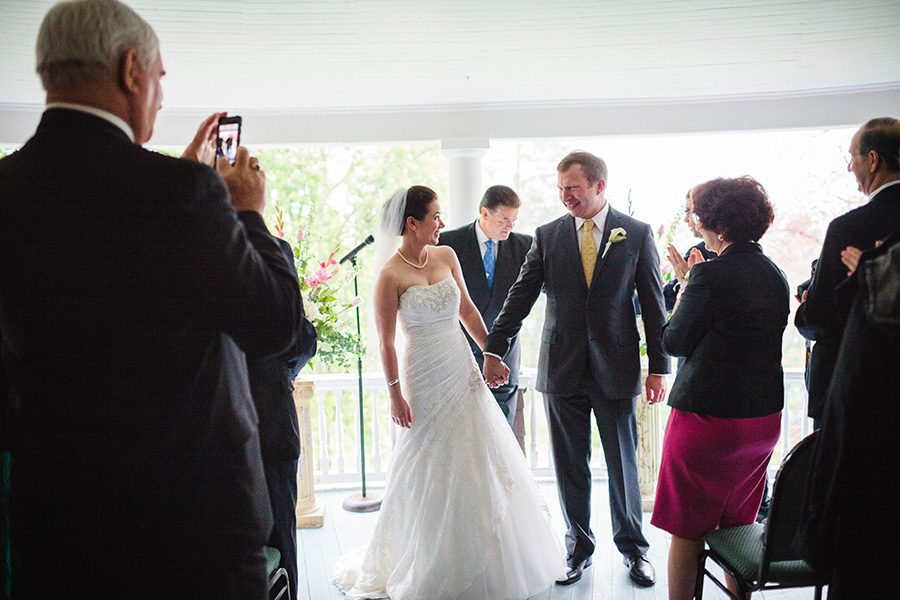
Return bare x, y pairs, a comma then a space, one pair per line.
491, 255
875, 162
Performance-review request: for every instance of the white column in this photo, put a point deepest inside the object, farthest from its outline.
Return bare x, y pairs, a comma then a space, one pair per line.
464, 170
308, 511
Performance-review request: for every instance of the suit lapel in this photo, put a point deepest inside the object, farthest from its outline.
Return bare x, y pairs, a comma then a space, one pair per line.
571, 250
505, 271
472, 263
612, 221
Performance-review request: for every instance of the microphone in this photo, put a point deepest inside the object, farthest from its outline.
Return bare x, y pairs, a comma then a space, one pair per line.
352, 254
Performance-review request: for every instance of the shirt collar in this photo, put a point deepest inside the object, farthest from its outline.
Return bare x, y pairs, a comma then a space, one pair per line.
91, 110
480, 234
599, 219
887, 185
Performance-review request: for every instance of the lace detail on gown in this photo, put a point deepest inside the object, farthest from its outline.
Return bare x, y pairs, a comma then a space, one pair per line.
461, 517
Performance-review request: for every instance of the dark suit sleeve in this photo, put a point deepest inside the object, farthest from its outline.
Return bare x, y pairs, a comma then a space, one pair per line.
248, 287
649, 288
815, 316
693, 319
305, 341
522, 296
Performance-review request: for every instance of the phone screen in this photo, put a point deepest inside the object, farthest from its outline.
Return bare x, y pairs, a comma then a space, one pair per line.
228, 138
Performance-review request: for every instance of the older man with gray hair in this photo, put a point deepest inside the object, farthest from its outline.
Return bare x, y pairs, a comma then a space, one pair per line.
131, 285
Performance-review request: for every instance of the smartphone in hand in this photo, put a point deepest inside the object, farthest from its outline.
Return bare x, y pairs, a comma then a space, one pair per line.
228, 138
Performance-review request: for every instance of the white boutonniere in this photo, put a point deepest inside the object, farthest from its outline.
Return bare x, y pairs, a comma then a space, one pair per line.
616, 235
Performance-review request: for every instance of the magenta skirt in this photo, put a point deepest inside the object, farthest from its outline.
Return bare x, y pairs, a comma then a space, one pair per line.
713, 472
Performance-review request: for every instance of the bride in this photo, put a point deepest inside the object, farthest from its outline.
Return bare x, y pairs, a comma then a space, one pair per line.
461, 516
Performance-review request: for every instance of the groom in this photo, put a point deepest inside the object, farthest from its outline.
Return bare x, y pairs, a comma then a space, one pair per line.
590, 358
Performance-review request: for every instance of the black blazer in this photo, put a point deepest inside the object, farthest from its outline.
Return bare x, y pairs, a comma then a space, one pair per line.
272, 388
510, 256
729, 328
589, 332
819, 318
129, 292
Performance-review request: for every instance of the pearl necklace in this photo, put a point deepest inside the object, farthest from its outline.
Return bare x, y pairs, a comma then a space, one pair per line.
412, 264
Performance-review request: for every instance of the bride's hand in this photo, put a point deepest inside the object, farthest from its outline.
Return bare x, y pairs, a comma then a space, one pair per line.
400, 412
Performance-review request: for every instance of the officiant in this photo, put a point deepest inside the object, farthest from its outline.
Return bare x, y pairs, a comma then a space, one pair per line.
491, 254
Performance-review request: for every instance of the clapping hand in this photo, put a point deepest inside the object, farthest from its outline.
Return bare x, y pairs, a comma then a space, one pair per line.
850, 257
679, 264
695, 258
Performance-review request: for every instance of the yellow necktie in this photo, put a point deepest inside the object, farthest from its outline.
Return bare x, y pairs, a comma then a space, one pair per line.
588, 251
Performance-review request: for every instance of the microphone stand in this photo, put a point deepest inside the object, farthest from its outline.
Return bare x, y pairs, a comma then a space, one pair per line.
364, 502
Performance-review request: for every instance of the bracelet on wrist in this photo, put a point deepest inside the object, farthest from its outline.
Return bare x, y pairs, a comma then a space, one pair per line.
393, 382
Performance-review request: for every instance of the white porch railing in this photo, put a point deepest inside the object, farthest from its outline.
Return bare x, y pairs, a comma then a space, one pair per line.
336, 427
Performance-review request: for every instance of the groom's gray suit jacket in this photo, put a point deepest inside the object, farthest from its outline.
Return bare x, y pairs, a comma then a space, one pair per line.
594, 328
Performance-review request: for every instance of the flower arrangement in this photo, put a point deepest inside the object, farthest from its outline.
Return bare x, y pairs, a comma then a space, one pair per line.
320, 281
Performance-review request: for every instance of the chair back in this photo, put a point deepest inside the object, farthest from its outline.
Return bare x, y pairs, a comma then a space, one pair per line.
786, 512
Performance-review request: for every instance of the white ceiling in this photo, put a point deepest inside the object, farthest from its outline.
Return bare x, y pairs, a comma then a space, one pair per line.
308, 57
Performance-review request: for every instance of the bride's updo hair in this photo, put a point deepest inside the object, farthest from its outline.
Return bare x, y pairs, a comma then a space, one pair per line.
418, 197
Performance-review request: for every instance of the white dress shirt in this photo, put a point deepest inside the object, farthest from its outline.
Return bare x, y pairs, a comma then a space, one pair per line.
599, 223
887, 185
482, 238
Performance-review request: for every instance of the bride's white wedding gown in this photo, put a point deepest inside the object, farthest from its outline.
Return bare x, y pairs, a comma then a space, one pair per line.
461, 516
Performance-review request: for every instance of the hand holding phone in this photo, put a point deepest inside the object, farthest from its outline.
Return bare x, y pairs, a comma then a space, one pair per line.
228, 138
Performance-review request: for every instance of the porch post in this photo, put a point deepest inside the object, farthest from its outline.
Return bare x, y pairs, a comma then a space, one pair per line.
308, 512
650, 431
464, 156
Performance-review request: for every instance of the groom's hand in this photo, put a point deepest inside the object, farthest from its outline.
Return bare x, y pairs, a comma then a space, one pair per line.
655, 388
495, 372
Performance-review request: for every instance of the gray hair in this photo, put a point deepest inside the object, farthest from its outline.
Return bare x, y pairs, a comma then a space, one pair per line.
82, 41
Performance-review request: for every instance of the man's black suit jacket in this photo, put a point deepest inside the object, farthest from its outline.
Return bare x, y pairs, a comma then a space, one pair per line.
128, 289
729, 328
820, 318
510, 256
589, 332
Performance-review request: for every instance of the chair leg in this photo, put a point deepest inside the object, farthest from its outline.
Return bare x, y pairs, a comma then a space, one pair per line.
701, 576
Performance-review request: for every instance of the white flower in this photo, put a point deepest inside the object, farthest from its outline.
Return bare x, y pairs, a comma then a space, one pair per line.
310, 309
616, 235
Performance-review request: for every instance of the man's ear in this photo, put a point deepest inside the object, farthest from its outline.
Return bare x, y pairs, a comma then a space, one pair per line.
129, 71
874, 161
601, 186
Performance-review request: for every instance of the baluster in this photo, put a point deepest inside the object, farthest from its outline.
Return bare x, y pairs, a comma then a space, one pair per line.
324, 462
376, 437
339, 430
534, 454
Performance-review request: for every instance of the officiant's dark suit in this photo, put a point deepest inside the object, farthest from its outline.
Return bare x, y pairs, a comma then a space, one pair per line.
590, 361
510, 256
819, 318
272, 386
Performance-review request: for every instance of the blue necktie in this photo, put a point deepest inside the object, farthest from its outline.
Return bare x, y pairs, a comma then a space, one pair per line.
489, 263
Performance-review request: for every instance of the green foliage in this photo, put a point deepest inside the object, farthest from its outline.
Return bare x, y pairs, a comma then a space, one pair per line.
324, 201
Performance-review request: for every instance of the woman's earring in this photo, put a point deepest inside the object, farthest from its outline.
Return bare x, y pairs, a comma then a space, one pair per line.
721, 237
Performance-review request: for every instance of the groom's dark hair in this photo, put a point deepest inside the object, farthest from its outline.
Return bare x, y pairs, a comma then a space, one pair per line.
593, 167
500, 195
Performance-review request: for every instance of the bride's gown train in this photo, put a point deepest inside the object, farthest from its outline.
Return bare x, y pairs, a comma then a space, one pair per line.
461, 517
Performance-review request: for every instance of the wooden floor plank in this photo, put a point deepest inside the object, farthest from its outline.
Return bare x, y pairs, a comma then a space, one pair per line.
607, 579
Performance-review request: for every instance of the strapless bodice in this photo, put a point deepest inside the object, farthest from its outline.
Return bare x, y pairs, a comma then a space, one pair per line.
426, 307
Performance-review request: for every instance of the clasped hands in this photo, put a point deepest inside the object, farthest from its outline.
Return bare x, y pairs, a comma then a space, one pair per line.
495, 371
